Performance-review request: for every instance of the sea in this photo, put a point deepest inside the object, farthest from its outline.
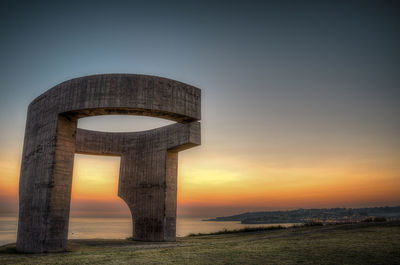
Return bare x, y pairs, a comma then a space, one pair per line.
117, 228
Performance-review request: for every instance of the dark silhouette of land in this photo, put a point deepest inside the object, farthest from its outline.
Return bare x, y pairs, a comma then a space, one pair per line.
332, 215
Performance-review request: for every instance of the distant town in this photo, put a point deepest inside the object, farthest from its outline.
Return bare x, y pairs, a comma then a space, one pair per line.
333, 215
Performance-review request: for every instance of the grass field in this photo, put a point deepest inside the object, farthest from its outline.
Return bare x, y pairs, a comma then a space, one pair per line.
362, 243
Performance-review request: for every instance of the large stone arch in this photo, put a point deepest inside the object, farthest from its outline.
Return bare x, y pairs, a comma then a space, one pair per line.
148, 159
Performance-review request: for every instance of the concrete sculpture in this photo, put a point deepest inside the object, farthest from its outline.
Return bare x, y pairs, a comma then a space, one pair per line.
148, 170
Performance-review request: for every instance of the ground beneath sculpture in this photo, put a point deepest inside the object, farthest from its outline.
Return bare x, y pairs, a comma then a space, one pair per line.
362, 243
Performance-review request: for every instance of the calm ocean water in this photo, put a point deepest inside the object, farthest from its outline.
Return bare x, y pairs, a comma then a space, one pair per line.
81, 227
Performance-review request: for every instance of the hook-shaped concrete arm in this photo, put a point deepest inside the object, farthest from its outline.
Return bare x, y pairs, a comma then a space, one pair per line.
175, 137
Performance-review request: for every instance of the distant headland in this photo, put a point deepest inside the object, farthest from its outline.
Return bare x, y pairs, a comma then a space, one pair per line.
331, 215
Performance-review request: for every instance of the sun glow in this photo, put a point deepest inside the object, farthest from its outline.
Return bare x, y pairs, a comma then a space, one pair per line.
95, 186
227, 182
209, 178
95, 177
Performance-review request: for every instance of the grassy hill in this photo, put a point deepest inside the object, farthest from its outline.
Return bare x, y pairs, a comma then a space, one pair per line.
361, 243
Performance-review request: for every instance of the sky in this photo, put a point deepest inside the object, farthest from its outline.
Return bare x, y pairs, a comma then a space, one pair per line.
300, 99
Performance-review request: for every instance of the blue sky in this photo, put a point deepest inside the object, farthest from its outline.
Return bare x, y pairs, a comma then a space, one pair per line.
281, 80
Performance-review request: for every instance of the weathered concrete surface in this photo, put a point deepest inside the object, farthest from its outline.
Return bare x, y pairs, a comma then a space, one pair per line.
148, 159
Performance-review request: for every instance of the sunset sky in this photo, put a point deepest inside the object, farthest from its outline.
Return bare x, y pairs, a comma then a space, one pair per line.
300, 99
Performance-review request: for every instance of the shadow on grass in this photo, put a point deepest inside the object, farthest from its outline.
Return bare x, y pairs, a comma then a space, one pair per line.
8, 249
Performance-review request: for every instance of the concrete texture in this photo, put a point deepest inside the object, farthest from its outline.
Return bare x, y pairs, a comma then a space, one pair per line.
148, 173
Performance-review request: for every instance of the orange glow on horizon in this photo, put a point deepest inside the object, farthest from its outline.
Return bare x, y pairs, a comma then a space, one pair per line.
230, 182
9, 177
95, 178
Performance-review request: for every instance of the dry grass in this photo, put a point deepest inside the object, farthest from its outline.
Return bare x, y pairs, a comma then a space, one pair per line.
363, 243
